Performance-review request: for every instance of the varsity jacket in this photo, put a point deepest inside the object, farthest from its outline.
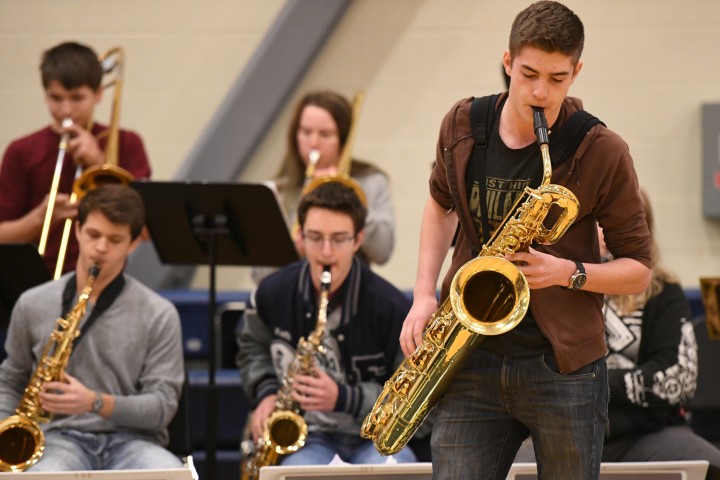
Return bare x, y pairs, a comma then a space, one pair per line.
601, 175
364, 343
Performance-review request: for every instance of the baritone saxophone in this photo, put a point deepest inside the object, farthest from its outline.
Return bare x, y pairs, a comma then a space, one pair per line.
285, 431
488, 296
22, 441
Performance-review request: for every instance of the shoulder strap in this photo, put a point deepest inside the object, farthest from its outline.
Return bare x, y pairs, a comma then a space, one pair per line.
482, 115
106, 298
568, 138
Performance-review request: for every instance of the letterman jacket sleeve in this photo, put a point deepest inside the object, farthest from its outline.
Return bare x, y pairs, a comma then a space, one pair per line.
254, 359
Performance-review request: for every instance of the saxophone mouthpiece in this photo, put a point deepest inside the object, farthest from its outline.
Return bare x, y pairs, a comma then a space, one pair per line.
325, 278
540, 126
94, 270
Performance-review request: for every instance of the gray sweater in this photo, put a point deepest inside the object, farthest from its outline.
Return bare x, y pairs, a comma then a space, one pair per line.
132, 351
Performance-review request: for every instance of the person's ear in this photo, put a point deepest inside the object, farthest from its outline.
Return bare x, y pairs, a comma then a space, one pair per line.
577, 69
134, 244
359, 238
507, 63
99, 94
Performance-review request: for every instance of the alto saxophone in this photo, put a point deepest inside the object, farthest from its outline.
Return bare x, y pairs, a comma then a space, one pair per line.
285, 431
488, 296
22, 441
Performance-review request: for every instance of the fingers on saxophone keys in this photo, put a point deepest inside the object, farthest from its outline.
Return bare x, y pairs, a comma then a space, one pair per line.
408, 342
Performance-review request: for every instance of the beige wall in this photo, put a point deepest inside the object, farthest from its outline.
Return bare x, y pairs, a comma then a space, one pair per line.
649, 67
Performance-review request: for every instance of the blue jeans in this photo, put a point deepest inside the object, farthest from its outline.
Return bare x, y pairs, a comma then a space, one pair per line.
496, 401
71, 450
321, 447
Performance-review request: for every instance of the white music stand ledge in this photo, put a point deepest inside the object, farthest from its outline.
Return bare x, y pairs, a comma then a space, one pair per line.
690, 470
168, 474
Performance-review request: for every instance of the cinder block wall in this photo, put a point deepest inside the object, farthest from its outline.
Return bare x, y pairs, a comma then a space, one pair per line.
648, 69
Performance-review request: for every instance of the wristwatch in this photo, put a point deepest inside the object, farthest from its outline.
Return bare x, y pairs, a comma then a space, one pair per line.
97, 404
577, 279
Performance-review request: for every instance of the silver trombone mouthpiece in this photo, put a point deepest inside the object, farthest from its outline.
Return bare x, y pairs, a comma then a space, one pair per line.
314, 156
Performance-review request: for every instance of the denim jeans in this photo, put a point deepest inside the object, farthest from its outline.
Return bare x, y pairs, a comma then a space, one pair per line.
320, 448
70, 450
496, 401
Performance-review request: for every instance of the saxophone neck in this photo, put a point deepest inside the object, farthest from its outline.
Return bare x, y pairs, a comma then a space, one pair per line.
540, 127
87, 290
319, 331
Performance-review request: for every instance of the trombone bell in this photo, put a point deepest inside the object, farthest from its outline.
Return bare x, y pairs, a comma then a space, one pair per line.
104, 174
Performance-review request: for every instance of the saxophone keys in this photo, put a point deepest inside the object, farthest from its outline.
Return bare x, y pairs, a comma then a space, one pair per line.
422, 356
404, 380
437, 330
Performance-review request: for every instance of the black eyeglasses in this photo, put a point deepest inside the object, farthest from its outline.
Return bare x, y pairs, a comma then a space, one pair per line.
337, 240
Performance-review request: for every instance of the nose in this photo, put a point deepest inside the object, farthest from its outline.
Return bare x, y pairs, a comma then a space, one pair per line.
540, 91
101, 244
314, 140
327, 248
66, 108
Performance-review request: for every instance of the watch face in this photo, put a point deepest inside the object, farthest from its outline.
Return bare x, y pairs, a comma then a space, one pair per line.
578, 280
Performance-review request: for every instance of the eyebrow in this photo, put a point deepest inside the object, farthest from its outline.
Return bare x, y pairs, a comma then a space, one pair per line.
554, 74
333, 234
111, 237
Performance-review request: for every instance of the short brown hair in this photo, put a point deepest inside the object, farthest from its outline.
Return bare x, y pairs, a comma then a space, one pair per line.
73, 65
549, 26
121, 205
335, 196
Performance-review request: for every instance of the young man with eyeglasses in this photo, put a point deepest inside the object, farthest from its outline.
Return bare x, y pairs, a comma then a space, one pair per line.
361, 349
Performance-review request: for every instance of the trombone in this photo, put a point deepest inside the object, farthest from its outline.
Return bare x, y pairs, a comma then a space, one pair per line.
113, 62
54, 187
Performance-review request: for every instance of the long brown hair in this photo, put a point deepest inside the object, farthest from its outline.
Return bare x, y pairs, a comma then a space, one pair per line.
629, 303
292, 170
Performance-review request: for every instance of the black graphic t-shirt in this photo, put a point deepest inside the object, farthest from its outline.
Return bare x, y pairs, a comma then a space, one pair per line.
507, 172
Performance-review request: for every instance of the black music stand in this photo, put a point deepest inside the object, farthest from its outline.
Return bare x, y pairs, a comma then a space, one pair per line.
197, 223
21, 267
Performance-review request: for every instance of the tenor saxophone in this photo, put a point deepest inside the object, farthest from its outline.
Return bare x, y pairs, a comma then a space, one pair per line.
488, 296
285, 431
22, 441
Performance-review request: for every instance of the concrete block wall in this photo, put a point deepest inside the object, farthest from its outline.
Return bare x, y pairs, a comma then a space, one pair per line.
648, 70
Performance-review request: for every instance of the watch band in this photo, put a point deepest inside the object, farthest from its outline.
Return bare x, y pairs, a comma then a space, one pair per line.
577, 279
580, 267
98, 403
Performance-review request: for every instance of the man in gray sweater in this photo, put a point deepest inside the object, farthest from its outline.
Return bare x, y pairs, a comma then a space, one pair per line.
123, 379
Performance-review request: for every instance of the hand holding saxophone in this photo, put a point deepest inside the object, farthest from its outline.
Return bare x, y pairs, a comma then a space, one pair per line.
316, 392
260, 416
411, 334
69, 397
541, 269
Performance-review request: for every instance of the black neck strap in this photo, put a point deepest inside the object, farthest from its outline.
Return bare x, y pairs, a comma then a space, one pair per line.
106, 298
481, 127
